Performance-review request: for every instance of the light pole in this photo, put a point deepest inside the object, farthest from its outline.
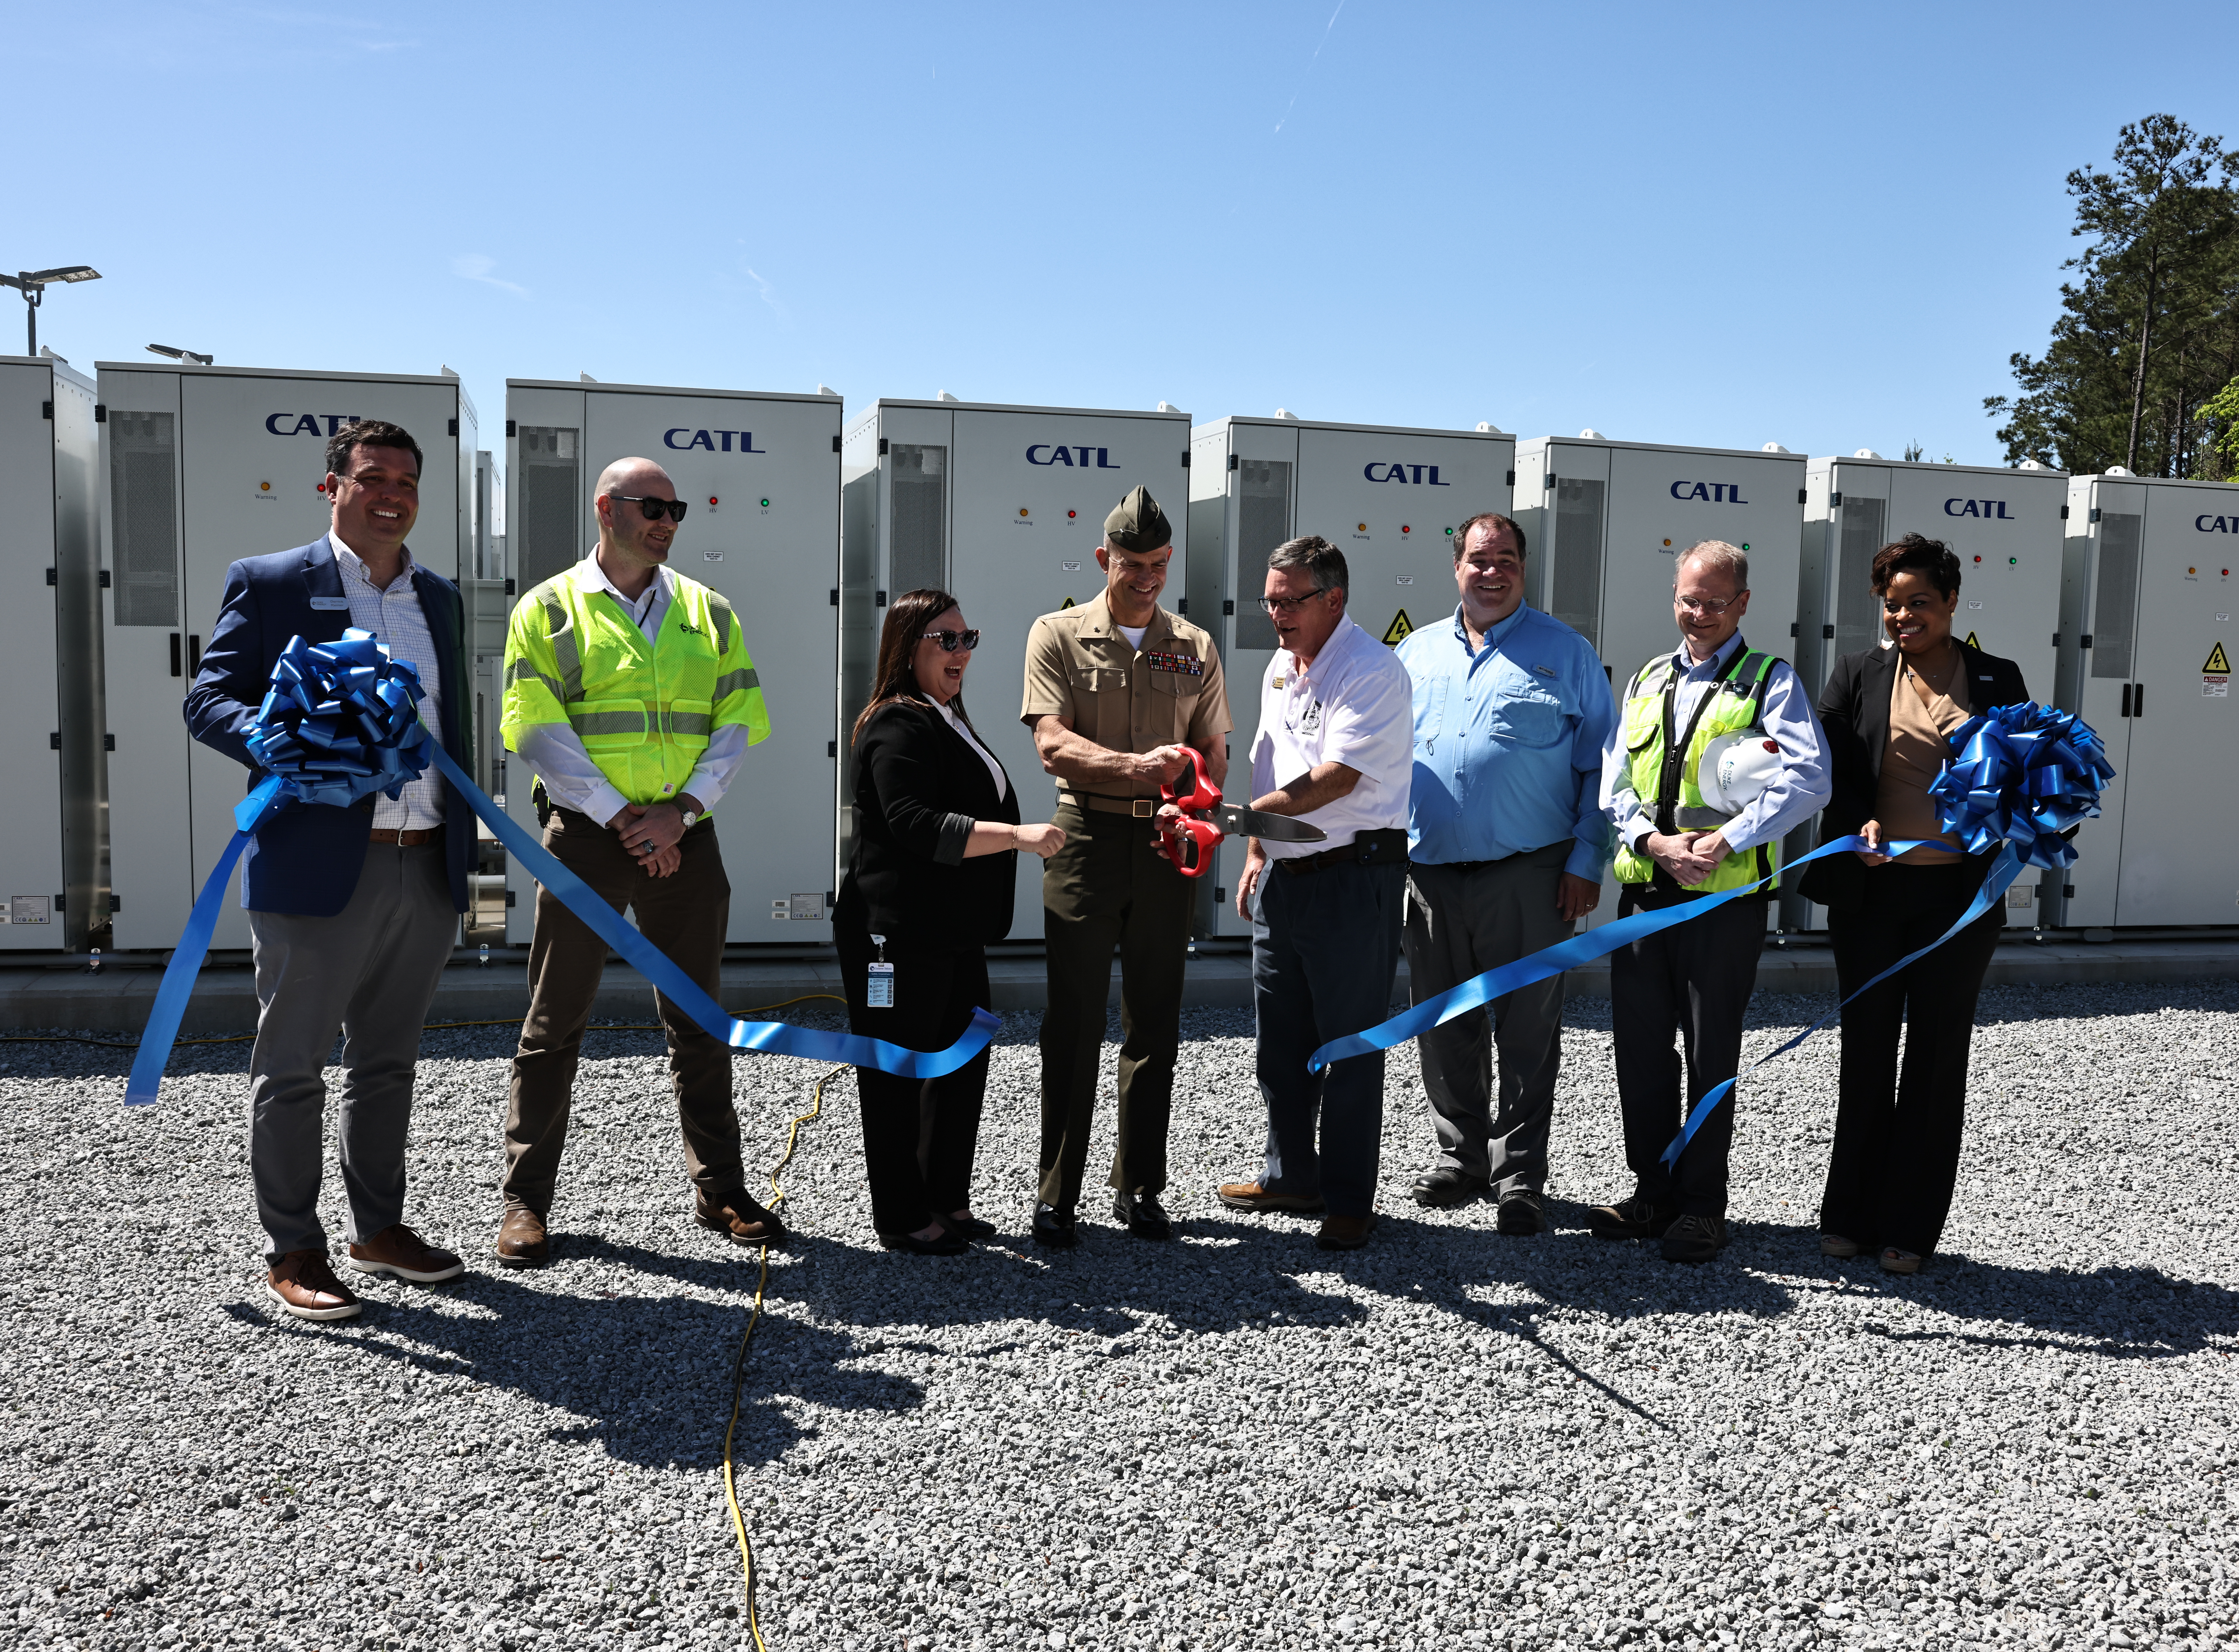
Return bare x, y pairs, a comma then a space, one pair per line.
176, 355
32, 284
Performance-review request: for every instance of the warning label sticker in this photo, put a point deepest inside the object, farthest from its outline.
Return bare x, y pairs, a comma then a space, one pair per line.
1067, 603
1398, 631
1971, 643
2218, 661
2215, 675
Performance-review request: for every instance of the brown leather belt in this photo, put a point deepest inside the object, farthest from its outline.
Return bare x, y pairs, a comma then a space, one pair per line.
403, 839
1142, 808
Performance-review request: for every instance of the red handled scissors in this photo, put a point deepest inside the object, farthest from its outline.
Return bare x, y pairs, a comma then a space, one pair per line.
1189, 838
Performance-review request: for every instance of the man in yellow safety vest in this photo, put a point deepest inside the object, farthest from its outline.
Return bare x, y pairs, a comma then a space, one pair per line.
629, 691
1676, 845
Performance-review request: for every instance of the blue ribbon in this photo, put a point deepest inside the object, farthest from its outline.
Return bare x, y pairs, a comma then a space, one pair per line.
341, 721
2018, 776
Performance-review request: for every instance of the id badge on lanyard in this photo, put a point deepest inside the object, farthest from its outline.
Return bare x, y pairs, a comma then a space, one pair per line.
879, 993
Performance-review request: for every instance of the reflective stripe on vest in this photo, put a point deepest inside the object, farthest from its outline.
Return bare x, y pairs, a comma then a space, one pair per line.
1733, 703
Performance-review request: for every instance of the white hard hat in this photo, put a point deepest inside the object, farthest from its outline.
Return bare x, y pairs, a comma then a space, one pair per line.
1736, 768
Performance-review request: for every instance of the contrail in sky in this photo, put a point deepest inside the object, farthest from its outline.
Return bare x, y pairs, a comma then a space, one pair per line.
1310, 62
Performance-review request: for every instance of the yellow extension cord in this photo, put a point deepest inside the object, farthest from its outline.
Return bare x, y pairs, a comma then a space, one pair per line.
739, 1364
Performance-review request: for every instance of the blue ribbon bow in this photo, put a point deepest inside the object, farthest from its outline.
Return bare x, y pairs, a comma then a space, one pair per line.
2018, 776
341, 722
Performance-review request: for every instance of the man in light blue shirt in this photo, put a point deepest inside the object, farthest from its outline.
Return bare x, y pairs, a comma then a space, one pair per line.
1507, 845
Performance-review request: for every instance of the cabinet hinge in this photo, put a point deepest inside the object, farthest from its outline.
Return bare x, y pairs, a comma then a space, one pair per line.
836, 596
2063, 513
100, 414
455, 427
1512, 479
1185, 458
47, 411
1232, 462
1227, 605
835, 444
50, 576
511, 429
882, 447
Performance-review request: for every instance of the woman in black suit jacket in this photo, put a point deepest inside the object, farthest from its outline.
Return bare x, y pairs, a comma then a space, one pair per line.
1888, 713
928, 886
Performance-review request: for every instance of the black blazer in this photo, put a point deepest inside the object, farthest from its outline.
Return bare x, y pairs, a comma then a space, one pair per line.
918, 787
1854, 711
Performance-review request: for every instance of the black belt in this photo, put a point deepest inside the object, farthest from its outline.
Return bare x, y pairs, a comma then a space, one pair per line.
1386, 847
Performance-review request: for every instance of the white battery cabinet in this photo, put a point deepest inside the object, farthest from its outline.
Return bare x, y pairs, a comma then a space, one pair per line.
205, 465
2006, 526
1606, 521
1004, 506
1390, 497
53, 894
761, 472
2147, 643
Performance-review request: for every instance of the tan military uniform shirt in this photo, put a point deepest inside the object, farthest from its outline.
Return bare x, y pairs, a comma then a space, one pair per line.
1170, 692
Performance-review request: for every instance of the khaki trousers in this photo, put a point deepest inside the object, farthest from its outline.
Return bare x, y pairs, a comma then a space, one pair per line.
1109, 888
684, 914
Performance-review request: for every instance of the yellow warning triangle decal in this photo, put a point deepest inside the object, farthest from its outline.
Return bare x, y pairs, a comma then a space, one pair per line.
2217, 662
1067, 603
1397, 632
1971, 643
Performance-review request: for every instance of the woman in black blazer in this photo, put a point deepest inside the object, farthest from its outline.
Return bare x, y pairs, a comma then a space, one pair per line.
928, 886
1888, 713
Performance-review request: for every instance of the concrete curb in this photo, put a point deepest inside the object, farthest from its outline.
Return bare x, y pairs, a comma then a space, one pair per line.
225, 998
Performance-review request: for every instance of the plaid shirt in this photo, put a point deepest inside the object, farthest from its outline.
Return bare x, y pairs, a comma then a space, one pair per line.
394, 616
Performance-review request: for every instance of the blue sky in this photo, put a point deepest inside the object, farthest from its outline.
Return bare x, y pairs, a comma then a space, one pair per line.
1720, 225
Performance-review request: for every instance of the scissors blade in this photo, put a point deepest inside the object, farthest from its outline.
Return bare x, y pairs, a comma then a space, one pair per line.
1240, 822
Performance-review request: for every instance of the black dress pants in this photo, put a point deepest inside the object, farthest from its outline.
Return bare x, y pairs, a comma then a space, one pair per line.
1692, 981
1897, 1136
920, 1135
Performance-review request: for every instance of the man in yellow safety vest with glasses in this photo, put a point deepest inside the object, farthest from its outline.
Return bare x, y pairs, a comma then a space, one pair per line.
1677, 843
629, 691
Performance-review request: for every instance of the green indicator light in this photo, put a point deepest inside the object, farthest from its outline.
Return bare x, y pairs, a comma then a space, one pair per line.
1744, 545
764, 504
2013, 561
1449, 533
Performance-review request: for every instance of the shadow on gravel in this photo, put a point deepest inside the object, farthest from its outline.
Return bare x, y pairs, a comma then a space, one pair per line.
2110, 1312
647, 1378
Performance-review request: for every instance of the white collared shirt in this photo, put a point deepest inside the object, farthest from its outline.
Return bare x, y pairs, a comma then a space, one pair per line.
396, 618
555, 751
1353, 706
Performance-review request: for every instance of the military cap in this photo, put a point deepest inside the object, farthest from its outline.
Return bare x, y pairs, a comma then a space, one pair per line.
1137, 524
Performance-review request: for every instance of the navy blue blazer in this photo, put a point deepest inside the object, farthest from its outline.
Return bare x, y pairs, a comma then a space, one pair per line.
306, 860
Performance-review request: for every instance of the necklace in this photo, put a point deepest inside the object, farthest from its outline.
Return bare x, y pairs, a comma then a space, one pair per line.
1942, 681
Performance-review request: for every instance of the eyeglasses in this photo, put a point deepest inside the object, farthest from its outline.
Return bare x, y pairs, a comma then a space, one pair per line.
950, 641
1275, 604
654, 509
1713, 606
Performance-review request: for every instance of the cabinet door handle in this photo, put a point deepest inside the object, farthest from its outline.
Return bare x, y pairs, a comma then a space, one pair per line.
175, 671
195, 654
2138, 701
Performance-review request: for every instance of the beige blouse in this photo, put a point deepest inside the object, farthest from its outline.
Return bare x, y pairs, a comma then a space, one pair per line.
1920, 721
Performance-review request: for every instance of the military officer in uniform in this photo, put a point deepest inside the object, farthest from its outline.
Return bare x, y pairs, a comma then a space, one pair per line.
1114, 690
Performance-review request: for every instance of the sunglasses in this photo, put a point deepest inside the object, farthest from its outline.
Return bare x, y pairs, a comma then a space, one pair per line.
654, 509
950, 641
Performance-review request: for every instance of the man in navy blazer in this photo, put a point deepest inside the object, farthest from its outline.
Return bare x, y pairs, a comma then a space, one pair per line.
353, 911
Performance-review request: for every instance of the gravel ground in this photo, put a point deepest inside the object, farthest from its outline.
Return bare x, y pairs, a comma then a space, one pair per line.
1448, 1439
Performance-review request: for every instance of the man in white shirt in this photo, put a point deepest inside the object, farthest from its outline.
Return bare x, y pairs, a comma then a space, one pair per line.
1334, 749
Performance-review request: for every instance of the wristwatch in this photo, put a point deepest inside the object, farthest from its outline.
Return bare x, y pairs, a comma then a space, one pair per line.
687, 816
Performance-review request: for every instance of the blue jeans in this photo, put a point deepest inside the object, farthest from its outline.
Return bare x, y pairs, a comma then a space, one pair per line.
1324, 951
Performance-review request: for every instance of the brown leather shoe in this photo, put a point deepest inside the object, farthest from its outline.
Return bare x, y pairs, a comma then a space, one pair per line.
303, 1284
1250, 1195
738, 1219
1345, 1232
522, 1241
396, 1248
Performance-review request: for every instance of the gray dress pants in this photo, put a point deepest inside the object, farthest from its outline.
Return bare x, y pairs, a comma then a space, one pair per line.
1460, 923
369, 972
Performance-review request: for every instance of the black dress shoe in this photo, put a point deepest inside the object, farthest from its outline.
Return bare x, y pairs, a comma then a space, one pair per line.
1056, 1228
970, 1228
1143, 1217
1447, 1186
946, 1243
1694, 1238
1520, 1213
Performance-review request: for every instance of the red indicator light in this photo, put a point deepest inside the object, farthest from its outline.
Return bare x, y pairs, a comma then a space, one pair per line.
1978, 559
712, 499
320, 489
1070, 515
1404, 529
